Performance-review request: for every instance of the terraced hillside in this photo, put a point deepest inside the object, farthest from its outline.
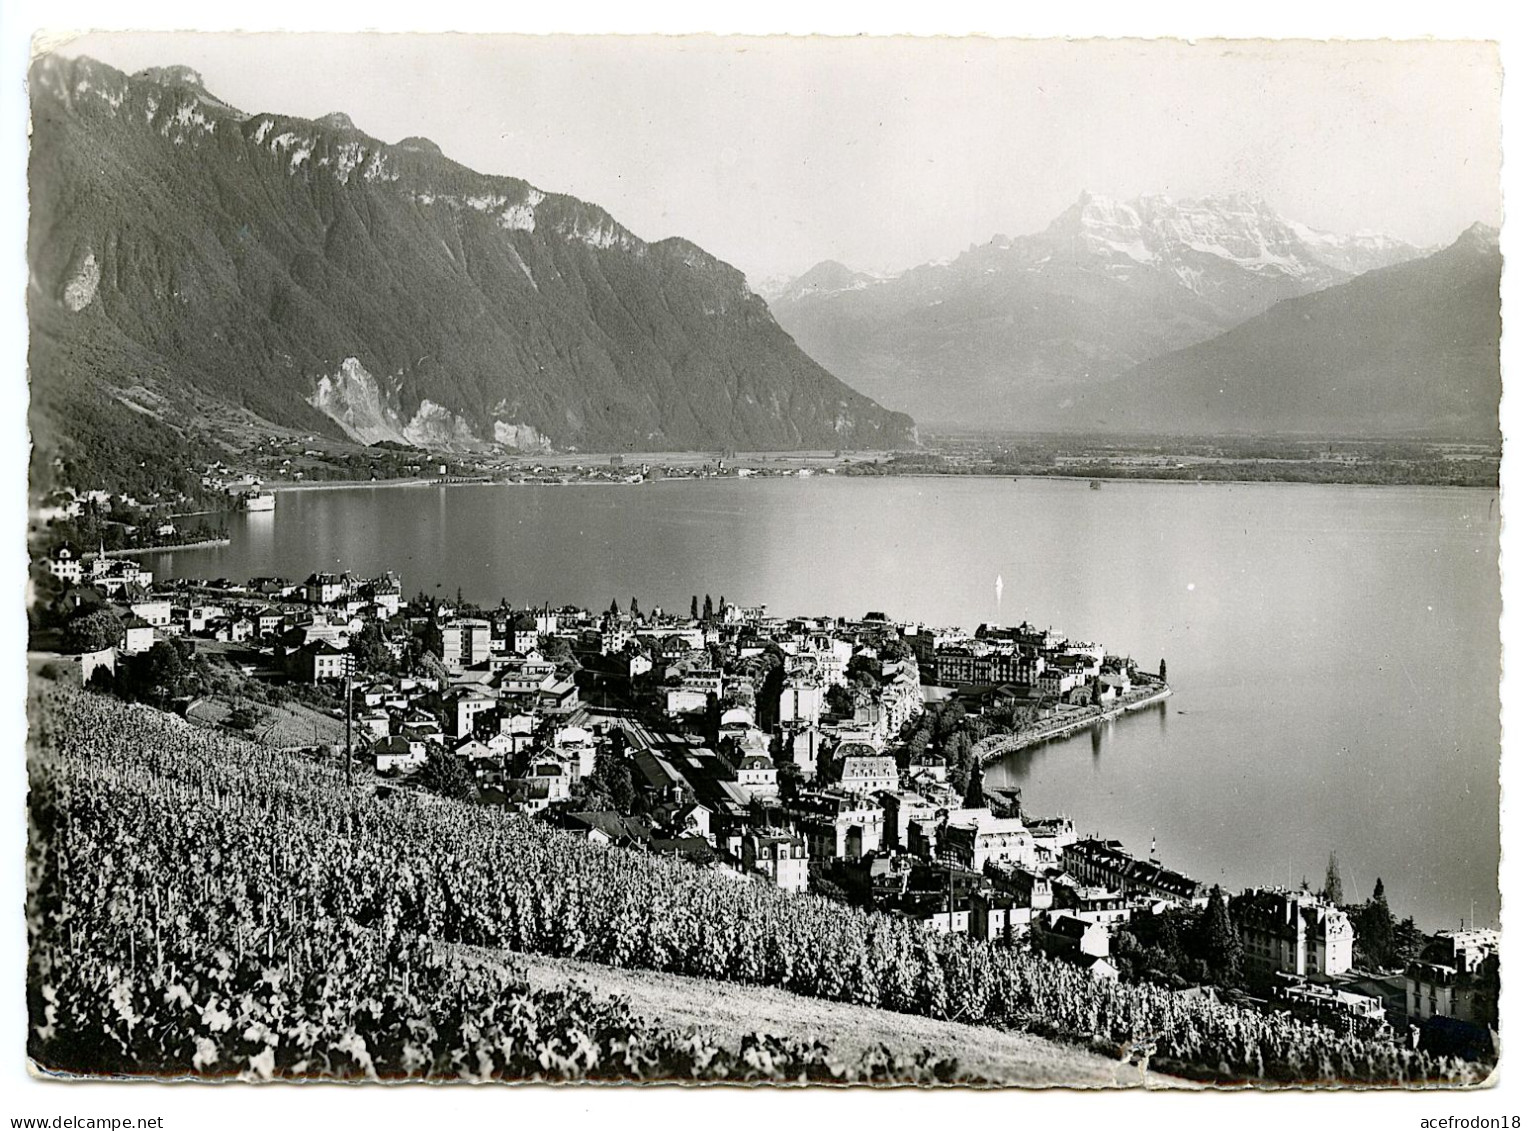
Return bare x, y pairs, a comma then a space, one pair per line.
197, 904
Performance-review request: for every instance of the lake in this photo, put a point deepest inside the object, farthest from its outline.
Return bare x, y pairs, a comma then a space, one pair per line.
1334, 650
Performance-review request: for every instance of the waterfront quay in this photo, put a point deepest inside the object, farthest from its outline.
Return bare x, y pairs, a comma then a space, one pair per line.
1062, 722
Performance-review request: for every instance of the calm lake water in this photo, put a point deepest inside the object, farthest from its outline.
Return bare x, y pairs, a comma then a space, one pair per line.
1334, 650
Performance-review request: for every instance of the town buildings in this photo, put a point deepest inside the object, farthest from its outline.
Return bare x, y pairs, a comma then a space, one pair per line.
1456, 977
465, 643
773, 748
975, 842
1104, 863
782, 858
1291, 932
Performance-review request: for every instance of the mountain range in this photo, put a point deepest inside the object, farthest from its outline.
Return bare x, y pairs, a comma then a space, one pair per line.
191, 262
1031, 331
1407, 350
197, 272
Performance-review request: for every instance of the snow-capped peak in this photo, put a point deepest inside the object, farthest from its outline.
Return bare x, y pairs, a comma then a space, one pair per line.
825, 278
1191, 237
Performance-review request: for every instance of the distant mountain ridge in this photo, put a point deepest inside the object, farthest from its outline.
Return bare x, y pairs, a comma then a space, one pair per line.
1008, 330
1232, 250
1406, 350
187, 253
825, 278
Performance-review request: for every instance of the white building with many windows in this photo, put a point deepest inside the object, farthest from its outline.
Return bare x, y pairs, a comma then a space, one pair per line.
1292, 932
780, 857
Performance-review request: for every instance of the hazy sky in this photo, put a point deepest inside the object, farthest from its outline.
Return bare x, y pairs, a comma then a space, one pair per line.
777, 153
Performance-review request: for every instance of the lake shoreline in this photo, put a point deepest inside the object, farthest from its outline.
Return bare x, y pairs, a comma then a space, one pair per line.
1169, 480
204, 544
1289, 615
345, 484
1036, 736
349, 484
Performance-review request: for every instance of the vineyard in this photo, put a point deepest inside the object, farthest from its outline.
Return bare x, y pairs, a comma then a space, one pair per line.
199, 905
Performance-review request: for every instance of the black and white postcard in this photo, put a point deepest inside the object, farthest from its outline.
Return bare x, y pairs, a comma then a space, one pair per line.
964, 562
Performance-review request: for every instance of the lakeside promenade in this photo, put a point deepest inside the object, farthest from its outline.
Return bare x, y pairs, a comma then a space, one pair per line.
991, 749
135, 551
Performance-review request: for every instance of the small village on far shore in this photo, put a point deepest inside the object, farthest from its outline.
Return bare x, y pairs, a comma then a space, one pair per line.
837, 756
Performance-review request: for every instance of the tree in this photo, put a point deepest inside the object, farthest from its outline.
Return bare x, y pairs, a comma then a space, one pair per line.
693, 607
865, 671
429, 664
769, 700
1485, 999
1334, 890
614, 778
1163, 671
369, 651
712, 718
620, 783
431, 637
707, 609
1408, 940
917, 743
1376, 932
43, 610
92, 632
974, 798
614, 611
1129, 956
244, 717
1220, 942
956, 748
1022, 714
1170, 945
632, 609
958, 752
557, 650
154, 676
447, 775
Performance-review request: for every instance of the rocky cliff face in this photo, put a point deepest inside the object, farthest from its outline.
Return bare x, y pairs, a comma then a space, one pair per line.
1011, 331
186, 253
